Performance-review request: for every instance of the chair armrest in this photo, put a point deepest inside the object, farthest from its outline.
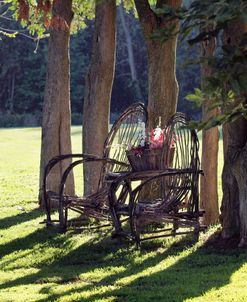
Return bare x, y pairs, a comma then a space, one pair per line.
86, 157
145, 178
168, 172
82, 161
57, 159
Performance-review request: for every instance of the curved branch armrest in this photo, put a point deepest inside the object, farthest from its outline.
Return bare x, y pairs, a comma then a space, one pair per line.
169, 172
78, 162
86, 157
153, 175
59, 158
55, 160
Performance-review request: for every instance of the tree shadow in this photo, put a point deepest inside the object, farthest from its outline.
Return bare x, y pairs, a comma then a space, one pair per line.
94, 253
192, 275
10, 221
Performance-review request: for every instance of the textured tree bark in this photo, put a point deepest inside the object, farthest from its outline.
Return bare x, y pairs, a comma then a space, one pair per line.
230, 201
98, 89
234, 203
162, 82
240, 173
234, 176
56, 139
210, 139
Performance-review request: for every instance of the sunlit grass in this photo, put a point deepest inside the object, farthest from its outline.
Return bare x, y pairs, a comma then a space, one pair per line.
39, 264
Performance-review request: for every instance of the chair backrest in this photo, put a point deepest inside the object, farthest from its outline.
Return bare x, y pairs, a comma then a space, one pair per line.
125, 132
180, 152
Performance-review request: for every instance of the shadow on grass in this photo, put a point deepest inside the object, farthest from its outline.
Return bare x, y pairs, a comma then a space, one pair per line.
93, 254
190, 276
8, 222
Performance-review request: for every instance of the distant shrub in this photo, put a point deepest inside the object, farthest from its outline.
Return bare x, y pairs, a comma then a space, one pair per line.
8, 120
76, 119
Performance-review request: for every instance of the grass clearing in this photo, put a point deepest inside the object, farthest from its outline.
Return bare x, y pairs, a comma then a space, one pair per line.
40, 264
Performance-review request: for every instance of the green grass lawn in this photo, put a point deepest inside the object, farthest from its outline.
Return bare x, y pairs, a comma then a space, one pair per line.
39, 264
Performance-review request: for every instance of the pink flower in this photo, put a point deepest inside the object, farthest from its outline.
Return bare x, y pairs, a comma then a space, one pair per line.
154, 140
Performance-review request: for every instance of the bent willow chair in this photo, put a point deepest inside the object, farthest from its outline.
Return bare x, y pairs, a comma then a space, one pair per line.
174, 201
124, 132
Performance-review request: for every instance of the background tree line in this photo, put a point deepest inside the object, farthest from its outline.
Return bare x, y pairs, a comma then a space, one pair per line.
23, 69
223, 85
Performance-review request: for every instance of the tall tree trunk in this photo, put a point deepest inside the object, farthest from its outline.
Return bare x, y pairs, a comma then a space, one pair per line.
130, 53
210, 139
98, 89
234, 176
162, 82
56, 123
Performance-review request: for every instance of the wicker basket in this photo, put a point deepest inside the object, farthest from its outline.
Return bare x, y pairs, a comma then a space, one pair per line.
150, 159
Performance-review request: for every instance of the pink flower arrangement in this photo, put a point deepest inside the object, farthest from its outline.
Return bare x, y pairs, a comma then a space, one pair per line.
154, 140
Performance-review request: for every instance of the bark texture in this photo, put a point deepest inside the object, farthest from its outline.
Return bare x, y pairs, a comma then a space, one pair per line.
234, 176
56, 139
162, 82
98, 89
210, 139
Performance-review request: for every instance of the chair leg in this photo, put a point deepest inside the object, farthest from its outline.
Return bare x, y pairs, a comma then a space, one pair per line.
175, 227
48, 211
63, 215
133, 229
47, 204
196, 232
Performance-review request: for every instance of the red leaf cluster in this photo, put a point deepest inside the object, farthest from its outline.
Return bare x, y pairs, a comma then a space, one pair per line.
23, 12
44, 6
47, 22
59, 23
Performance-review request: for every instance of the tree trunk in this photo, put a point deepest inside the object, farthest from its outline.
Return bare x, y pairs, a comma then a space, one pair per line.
162, 82
240, 173
56, 123
98, 89
230, 200
130, 52
234, 203
210, 139
234, 179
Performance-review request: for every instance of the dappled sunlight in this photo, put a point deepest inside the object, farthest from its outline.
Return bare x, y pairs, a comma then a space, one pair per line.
41, 264
62, 267
20, 231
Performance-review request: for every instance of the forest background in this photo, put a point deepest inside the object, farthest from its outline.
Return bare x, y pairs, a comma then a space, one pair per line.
23, 68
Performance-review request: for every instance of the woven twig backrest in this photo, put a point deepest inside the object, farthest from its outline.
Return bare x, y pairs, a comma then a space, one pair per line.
124, 133
180, 152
